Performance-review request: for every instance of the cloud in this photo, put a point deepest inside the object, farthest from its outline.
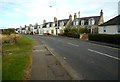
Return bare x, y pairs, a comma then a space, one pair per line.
31, 11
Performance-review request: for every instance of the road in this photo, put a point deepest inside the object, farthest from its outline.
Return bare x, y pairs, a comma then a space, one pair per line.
91, 61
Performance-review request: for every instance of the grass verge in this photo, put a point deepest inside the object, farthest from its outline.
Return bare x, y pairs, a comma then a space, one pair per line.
16, 59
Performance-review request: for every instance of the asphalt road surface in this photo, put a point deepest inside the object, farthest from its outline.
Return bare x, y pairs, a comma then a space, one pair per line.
91, 61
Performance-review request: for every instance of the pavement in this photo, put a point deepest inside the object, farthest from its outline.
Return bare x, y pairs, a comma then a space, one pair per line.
45, 66
91, 61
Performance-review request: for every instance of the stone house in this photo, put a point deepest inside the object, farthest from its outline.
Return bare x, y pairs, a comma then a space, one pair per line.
90, 22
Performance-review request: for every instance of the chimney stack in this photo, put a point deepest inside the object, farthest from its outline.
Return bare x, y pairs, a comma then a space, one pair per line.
101, 12
79, 14
44, 21
75, 16
55, 19
70, 16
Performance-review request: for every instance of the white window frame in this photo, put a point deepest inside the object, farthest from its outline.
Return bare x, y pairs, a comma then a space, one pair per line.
91, 21
48, 25
61, 23
77, 22
53, 24
82, 22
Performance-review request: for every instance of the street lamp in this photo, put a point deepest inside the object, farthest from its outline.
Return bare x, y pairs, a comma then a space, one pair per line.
57, 21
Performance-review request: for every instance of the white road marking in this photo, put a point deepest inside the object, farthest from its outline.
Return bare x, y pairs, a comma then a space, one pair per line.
105, 46
104, 54
73, 44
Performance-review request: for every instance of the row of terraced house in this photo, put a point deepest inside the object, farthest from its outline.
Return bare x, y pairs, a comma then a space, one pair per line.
57, 27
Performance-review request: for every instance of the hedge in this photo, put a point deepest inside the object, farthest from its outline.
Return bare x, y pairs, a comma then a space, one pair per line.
107, 38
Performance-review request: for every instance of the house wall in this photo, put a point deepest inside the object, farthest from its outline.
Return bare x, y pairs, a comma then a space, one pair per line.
41, 31
35, 31
23, 31
54, 30
45, 30
113, 29
61, 29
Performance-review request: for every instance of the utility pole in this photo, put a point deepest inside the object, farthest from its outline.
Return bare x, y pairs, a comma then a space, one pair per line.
57, 21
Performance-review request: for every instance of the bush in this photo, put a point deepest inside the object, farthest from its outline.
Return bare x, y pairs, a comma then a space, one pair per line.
10, 39
107, 38
8, 31
74, 32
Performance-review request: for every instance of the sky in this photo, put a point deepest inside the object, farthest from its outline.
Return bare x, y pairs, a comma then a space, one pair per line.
16, 13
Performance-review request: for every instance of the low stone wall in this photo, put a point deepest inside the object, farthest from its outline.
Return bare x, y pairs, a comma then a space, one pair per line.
84, 36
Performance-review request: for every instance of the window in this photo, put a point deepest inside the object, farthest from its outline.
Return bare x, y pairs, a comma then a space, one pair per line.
82, 22
74, 23
48, 25
41, 26
118, 28
52, 31
62, 23
104, 28
77, 22
91, 21
53, 24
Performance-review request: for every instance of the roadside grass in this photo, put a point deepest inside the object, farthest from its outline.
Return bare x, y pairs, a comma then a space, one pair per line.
16, 60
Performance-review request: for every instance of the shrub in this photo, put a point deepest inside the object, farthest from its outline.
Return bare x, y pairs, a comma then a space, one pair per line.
10, 39
74, 32
107, 38
8, 31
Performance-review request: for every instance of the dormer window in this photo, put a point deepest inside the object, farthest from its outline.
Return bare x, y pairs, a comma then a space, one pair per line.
48, 25
91, 21
41, 26
77, 22
53, 24
62, 23
74, 23
82, 22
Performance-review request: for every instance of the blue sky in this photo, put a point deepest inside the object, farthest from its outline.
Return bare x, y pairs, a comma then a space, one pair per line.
15, 13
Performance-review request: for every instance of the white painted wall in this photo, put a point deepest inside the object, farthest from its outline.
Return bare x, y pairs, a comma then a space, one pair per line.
45, 30
35, 31
24, 31
112, 29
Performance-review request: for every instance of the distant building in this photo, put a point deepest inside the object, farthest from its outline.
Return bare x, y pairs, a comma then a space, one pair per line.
17, 30
112, 26
52, 27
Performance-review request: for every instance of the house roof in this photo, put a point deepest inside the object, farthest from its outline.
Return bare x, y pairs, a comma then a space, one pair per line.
64, 20
45, 24
23, 28
113, 21
86, 19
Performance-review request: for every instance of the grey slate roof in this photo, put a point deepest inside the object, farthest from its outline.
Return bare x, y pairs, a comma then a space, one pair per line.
45, 24
113, 21
64, 20
86, 19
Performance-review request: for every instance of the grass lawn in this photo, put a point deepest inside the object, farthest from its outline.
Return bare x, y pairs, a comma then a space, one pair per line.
16, 59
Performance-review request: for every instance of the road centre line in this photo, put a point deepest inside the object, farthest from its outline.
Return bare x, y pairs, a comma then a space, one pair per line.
73, 44
104, 54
